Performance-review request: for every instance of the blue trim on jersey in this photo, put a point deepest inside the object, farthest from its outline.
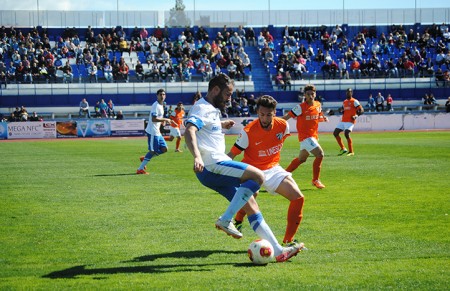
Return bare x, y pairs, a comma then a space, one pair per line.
197, 122
234, 164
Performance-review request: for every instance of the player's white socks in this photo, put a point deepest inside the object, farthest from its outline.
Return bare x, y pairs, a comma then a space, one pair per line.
263, 230
145, 161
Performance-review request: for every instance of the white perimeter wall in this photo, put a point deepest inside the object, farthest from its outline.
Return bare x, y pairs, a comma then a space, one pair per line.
373, 122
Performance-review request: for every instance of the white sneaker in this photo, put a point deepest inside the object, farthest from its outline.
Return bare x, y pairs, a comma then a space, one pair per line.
229, 228
289, 252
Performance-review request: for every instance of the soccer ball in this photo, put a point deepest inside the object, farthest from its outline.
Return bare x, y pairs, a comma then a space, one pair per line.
260, 252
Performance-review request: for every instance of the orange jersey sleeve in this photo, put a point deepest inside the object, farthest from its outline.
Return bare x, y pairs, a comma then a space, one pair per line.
308, 118
350, 107
262, 147
177, 116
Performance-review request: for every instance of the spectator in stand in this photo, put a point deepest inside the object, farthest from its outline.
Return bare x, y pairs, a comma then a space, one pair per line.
391, 68
84, 108
39, 73
250, 37
35, 117
389, 102
11, 73
279, 80
261, 40
143, 34
119, 115
409, 68
440, 58
67, 73
123, 45
371, 103
27, 74
343, 72
139, 69
268, 56
287, 80
111, 112
3, 78
236, 40
103, 108
355, 67
123, 72
439, 77
92, 73
153, 72
379, 102
202, 34
23, 114
232, 70
108, 71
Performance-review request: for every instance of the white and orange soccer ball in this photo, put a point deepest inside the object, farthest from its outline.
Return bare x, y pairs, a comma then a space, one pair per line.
261, 252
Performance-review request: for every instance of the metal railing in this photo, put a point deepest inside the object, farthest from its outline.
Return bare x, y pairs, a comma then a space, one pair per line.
112, 88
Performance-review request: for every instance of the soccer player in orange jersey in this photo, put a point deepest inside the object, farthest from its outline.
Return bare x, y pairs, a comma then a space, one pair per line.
177, 116
308, 115
261, 141
351, 110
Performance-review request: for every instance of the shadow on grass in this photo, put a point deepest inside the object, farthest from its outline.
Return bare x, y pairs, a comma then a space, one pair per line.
115, 175
186, 255
72, 273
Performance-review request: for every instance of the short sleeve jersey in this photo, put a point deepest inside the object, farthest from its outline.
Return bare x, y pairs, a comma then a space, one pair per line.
350, 106
177, 116
262, 147
153, 128
210, 139
308, 118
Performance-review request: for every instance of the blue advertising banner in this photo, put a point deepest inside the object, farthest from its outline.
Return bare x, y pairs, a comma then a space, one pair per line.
94, 127
3, 130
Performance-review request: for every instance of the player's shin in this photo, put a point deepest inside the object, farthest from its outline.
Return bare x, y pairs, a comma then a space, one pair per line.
294, 218
243, 194
293, 165
317, 165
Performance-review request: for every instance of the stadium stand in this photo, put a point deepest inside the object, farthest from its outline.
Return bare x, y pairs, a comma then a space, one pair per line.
182, 69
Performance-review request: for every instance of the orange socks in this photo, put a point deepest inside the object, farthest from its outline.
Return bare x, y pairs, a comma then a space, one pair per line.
293, 165
240, 215
350, 145
339, 141
294, 217
316, 167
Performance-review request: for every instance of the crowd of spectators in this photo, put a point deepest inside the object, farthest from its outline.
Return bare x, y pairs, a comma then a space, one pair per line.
101, 109
332, 53
159, 56
21, 114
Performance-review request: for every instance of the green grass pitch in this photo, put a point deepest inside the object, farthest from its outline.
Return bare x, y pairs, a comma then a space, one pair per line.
73, 215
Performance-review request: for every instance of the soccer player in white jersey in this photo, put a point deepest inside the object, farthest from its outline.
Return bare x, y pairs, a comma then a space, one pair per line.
156, 143
236, 181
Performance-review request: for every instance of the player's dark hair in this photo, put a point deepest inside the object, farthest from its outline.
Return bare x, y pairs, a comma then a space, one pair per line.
310, 87
160, 91
267, 102
221, 80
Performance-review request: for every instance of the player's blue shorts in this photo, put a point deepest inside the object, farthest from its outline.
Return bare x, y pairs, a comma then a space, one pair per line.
156, 143
223, 177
